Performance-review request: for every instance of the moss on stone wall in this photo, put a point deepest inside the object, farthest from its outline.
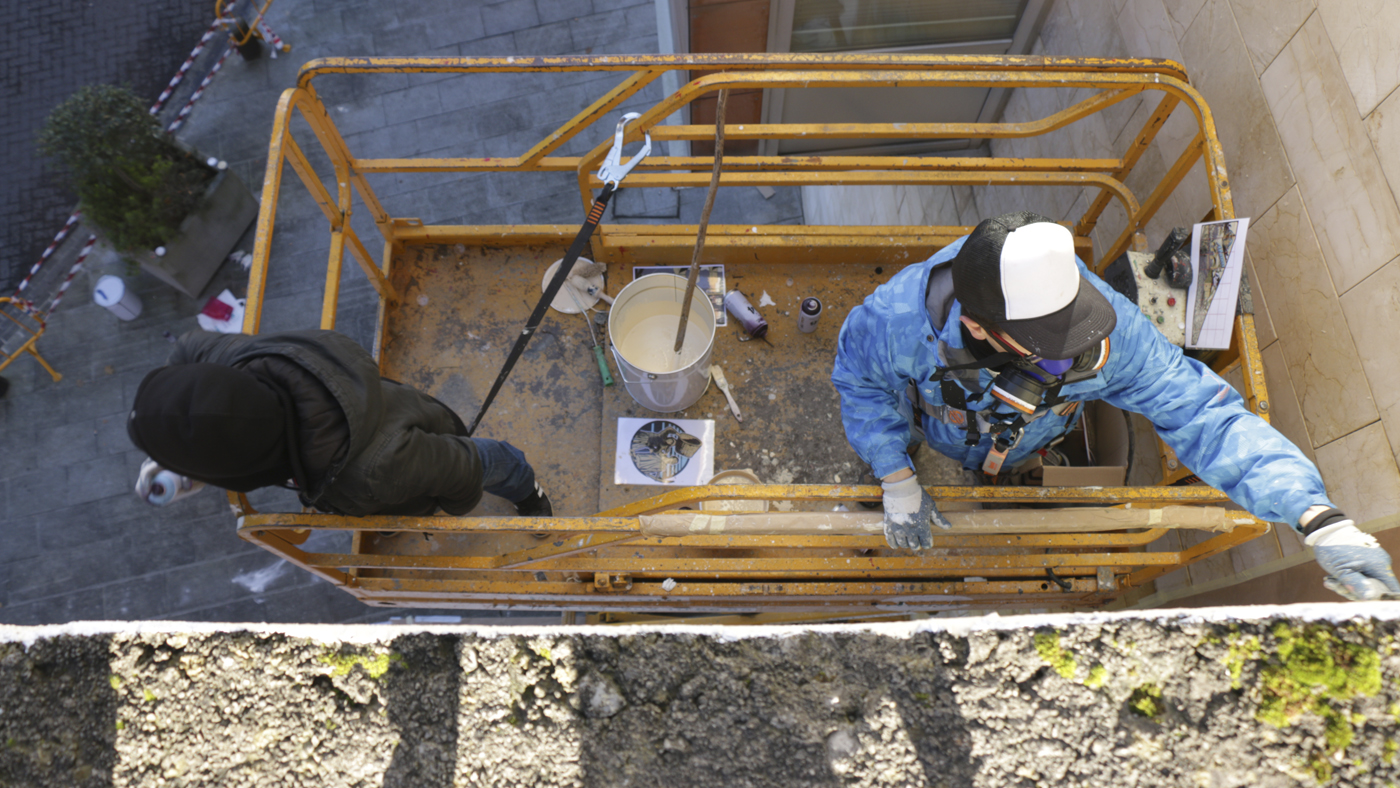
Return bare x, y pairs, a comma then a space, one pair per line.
1047, 644
375, 665
1146, 701
1162, 700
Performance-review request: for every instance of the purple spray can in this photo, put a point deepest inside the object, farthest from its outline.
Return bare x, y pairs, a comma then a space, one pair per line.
749, 319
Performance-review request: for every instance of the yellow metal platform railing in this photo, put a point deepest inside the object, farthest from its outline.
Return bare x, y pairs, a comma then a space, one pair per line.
606, 562
31, 327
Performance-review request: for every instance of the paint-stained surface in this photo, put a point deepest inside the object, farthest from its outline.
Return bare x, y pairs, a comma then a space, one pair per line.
461, 312
463, 308
791, 432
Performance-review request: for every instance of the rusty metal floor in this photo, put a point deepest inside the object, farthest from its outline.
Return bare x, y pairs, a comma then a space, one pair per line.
462, 308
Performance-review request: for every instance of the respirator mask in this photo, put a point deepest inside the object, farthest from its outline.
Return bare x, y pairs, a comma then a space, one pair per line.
1024, 383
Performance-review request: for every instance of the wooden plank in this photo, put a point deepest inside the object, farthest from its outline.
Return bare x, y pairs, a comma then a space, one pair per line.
976, 522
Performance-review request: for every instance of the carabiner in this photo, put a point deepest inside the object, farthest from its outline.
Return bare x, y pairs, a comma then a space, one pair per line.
613, 170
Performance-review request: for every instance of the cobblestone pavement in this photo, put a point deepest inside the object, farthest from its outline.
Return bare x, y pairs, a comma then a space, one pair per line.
75, 542
56, 47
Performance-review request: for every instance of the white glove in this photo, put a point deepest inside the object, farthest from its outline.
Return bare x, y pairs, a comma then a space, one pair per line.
1356, 565
909, 511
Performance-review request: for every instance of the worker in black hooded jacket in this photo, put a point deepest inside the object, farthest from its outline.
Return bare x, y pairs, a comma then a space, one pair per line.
243, 412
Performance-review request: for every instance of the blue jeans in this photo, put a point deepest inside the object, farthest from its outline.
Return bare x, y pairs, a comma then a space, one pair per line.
504, 471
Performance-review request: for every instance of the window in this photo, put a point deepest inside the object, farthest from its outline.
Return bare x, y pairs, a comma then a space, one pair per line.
857, 25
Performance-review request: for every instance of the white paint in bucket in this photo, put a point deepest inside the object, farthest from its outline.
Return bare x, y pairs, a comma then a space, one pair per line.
651, 344
111, 292
642, 326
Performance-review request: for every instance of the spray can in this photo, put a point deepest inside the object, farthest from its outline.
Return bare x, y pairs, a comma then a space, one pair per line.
749, 319
808, 314
160, 486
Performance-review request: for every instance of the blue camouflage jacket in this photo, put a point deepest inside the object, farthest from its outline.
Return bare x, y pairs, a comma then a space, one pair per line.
890, 341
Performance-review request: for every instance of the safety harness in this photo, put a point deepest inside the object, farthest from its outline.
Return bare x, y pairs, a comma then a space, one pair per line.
955, 410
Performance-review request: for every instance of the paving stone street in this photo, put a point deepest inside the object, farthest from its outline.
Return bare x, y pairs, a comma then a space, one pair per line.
56, 48
76, 543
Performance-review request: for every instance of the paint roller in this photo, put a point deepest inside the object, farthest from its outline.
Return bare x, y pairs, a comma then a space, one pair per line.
582, 272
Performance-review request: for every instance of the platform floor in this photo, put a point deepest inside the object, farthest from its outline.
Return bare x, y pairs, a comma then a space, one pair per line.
462, 309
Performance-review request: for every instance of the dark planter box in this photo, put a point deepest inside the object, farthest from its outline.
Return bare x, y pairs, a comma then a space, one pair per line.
206, 237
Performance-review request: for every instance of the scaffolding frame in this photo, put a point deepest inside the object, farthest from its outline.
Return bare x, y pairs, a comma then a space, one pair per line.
579, 568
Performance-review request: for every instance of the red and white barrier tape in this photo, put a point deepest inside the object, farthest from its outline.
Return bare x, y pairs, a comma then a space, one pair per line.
68, 280
189, 61
272, 38
199, 91
25, 304
57, 239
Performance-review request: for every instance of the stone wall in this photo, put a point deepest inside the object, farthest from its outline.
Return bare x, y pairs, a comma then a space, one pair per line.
1303, 97
1278, 697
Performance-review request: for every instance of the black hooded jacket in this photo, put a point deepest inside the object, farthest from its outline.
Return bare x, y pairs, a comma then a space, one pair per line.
364, 445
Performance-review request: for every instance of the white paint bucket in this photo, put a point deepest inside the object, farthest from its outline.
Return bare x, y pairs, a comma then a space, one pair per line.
642, 327
111, 292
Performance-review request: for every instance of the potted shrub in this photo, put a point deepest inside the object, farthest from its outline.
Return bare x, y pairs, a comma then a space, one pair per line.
143, 191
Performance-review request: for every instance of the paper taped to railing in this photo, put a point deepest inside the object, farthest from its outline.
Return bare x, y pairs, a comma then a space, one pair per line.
1009, 521
1217, 262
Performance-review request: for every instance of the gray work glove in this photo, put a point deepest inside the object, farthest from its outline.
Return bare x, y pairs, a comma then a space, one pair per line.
1357, 567
909, 511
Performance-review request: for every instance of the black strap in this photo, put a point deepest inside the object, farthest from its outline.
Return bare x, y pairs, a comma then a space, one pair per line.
595, 214
954, 397
990, 362
953, 394
1324, 519
1074, 416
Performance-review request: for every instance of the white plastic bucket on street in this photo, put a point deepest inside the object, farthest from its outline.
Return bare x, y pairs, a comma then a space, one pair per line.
111, 292
642, 325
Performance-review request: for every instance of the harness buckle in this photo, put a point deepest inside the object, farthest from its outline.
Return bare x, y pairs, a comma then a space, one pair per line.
1006, 439
613, 170
995, 459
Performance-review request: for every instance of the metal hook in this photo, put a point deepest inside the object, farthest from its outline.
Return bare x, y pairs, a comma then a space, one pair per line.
613, 170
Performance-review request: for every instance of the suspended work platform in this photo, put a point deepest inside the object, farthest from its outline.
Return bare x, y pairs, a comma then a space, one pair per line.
453, 298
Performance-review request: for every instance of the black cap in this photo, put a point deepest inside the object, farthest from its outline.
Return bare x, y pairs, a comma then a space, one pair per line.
1018, 273
213, 423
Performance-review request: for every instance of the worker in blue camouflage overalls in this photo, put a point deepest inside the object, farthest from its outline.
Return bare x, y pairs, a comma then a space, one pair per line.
988, 347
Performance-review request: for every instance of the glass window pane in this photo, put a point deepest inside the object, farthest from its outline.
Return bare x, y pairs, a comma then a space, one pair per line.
850, 25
